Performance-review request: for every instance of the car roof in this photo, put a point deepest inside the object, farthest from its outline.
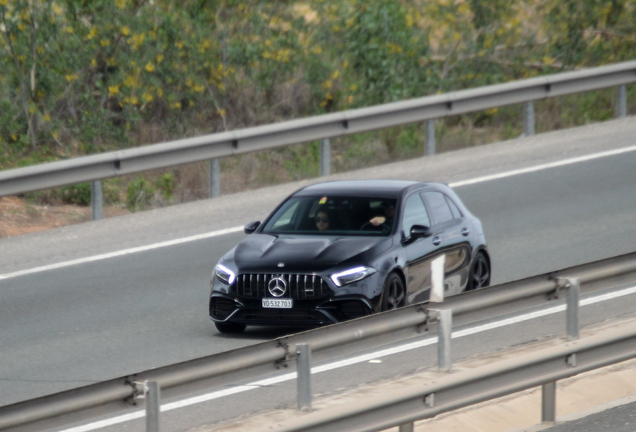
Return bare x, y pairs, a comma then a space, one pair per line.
380, 188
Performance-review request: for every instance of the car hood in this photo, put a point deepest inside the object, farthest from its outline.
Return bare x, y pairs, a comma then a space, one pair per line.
264, 252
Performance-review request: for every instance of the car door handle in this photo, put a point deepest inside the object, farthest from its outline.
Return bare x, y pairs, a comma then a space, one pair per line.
437, 240
465, 232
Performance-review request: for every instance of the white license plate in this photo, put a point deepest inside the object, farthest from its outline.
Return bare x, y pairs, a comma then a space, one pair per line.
277, 303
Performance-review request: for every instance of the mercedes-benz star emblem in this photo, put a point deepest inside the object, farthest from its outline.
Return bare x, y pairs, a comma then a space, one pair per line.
277, 286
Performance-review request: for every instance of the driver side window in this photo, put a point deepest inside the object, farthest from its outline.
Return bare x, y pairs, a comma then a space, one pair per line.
414, 214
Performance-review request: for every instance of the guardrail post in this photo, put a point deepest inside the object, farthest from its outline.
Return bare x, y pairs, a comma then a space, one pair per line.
572, 309
444, 331
621, 101
215, 178
528, 118
548, 402
303, 379
153, 398
96, 199
430, 138
406, 428
325, 157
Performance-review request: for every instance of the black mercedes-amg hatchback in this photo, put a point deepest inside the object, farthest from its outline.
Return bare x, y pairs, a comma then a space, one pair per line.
341, 250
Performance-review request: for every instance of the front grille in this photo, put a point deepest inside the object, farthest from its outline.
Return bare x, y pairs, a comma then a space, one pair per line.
299, 286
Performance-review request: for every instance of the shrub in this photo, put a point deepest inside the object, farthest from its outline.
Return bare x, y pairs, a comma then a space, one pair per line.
166, 185
139, 194
79, 194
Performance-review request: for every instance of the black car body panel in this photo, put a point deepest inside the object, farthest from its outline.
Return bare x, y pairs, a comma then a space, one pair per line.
314, 277
262, 252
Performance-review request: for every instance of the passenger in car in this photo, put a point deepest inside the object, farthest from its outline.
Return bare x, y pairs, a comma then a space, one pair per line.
322, 220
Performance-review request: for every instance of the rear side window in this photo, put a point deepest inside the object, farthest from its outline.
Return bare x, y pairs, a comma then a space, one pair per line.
454, 210
414, 213
440, 211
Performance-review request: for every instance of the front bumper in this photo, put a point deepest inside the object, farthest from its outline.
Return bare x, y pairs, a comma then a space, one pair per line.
307, 312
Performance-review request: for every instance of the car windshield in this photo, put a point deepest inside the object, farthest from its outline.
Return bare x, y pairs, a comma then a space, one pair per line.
333, 215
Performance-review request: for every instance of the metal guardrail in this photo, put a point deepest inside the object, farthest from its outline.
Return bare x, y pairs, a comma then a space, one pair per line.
466, 388
212, 147
178, 380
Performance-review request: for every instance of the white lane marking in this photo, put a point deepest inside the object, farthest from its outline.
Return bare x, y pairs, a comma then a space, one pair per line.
543, 166
121, 252
237, 229
348, 362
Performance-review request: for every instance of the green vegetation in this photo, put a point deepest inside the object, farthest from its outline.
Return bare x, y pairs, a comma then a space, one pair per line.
86, 76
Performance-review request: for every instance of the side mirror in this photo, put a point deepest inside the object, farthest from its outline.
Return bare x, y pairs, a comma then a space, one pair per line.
420, 231
251, 227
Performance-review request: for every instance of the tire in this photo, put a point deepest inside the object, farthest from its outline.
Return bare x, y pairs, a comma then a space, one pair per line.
393, 293
479, 276
230, 328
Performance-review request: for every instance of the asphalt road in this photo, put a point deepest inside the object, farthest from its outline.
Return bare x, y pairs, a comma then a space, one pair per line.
69, 326
220, 407
619, 419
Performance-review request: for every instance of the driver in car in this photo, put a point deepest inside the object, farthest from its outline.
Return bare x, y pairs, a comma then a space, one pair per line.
386, 219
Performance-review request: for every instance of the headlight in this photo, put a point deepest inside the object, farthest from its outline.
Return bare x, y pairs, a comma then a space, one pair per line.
224, 274
352, 275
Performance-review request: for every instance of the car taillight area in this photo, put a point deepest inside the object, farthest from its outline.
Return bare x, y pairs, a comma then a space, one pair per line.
295, 286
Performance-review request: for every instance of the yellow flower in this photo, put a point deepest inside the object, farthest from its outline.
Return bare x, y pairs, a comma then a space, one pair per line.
57, 9
93, 63
4, 2
92, 33
113, 90
120, 4
71, 77
68, 30
147, 97
150, 67
221, 112
159, 58
104, 42
159, 92
129, 81
46, 118
125, 30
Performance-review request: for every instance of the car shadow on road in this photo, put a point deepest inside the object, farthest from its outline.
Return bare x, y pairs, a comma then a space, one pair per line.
263, 333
